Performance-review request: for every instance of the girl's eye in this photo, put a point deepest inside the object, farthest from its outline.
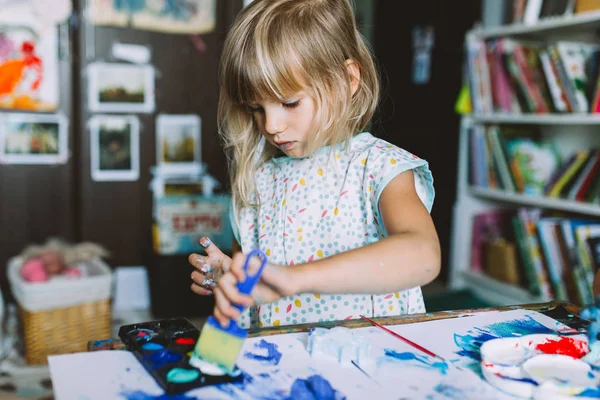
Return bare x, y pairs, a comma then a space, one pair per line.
292, 104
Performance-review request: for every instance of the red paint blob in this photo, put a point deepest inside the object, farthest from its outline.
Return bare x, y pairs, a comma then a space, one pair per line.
185, 341
565, 346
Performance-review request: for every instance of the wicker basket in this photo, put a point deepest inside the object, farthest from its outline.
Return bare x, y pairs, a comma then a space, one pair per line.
61, 316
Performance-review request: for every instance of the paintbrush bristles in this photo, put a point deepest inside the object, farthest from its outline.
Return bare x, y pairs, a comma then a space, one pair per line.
218, 347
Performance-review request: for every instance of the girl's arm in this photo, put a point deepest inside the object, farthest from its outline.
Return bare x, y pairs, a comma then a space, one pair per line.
408, 257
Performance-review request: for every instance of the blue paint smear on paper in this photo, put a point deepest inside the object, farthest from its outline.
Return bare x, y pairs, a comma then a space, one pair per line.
470, 343
424, 361
450, 392
140, 395
262, 387
273, 355
593, 393
313, 388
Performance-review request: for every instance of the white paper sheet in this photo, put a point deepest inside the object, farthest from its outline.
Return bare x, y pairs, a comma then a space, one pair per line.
397, 371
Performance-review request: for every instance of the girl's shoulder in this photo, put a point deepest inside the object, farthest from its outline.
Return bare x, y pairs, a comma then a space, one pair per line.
370, 149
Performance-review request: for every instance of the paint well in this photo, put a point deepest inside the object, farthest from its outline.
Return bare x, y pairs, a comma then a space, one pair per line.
163, 357
185, 341
140, 395
182, 375
152, 346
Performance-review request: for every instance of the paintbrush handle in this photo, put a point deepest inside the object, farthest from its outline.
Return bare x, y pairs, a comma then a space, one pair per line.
410, 342
248, 284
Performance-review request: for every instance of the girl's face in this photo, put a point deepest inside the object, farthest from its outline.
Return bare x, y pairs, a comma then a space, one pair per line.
287, 124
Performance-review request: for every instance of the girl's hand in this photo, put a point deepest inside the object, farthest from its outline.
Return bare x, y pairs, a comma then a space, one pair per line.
210, 268
275, 282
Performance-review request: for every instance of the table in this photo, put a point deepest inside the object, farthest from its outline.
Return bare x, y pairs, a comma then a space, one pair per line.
564, 312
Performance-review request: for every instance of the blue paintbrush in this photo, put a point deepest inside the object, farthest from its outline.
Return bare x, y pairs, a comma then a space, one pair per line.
220, 345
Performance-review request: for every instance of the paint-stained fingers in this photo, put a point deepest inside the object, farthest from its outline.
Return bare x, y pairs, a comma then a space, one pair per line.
216, 257
202, 280
201, 263
200, 290
224, 306
237, 267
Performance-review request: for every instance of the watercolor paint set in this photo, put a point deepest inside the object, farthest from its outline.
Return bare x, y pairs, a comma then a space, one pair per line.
164, 348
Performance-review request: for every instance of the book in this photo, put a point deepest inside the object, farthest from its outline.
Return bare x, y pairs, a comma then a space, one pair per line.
533, 162
551, 252
574, 55
582, 6
500, 158
556, 8
585, 172
533, 282
593, 244
559, 97
580, 158
588, 181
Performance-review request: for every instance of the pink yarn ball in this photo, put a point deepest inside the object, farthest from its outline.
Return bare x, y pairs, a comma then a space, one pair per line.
34, 270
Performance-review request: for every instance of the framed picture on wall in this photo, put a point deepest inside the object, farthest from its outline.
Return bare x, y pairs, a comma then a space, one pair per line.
115, 147
178, 143
115, 87
33, 138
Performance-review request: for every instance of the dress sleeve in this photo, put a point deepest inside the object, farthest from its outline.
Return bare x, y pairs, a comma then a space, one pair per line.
388, 162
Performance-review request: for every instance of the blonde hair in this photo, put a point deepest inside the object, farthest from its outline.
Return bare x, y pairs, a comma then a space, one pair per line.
280, 47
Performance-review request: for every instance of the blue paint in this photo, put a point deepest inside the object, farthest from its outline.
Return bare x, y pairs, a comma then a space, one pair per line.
424, 361
450, 392
160, 358
593, 393
313, 388
152, 346
524, 380
591, 375
470, 343
273, 355
139, 395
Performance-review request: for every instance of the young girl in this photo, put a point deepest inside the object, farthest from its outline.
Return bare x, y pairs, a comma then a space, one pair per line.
342, 216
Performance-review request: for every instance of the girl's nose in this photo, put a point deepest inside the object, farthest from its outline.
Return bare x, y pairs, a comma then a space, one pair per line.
274, 125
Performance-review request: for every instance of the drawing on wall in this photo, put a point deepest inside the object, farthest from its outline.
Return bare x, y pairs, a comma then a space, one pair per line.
28, 63
115, 148
178, 143
33, 138
121, 88
182, 16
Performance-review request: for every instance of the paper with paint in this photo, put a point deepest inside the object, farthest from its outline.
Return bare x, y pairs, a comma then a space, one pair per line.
281, 367
458, 340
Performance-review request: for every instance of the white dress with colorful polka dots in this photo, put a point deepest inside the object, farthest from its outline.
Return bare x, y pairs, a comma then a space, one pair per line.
321, 205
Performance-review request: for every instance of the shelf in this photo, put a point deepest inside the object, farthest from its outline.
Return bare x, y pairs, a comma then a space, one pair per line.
539, 119
537, 201
584, 22
496, 292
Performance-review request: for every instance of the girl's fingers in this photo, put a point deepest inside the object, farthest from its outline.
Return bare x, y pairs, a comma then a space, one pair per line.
221, 319
228, 285
202, 280
200, 290
224, 305
215, 256
237, 267
201, 263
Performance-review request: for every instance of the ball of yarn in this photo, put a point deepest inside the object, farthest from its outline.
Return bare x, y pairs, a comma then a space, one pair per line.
34, 270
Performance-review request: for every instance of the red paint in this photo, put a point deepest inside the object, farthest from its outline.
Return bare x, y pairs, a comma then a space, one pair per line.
565, 346
489, 365
185, 341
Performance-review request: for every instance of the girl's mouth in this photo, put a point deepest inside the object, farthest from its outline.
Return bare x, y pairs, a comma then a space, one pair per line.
286, 145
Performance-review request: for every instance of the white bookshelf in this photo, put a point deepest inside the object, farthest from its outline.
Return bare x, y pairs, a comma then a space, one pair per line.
564, 25
498, 292
539, 119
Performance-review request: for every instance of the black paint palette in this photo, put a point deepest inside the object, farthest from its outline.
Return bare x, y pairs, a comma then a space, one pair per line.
164, 348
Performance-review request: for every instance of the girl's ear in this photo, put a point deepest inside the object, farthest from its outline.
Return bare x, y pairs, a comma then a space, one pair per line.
354, 73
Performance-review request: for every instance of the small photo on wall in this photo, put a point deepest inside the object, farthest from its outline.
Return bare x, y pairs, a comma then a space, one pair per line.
114, 87
33, 138
115, 148
178, 143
